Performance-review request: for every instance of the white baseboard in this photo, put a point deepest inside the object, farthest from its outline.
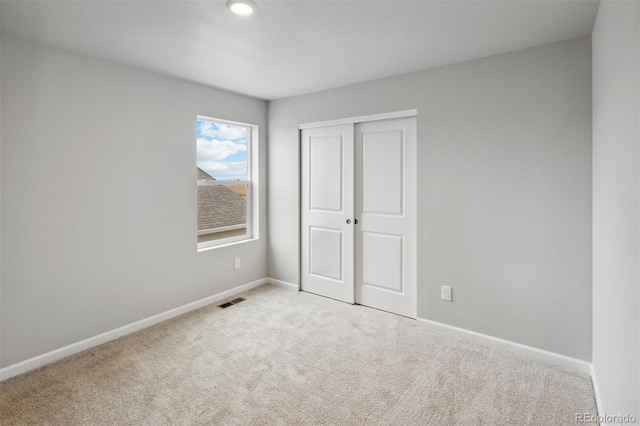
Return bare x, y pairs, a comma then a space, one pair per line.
524, 350
283, 284
596, 390
74, 348
57, 354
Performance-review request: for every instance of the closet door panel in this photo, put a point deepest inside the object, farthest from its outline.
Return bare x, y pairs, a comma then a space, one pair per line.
326, 164
383, 172
327, 212
382, 260
386, 209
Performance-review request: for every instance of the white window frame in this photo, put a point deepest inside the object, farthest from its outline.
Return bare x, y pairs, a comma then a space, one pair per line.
252, 190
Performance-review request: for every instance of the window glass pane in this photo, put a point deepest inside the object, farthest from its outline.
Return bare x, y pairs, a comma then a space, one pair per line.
222, 150
222, 211
223, 186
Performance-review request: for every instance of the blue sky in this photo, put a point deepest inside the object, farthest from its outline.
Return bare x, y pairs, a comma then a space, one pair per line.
222, 150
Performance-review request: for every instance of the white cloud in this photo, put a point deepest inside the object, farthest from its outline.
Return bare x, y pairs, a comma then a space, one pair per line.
224, 169
224, 132
215, 150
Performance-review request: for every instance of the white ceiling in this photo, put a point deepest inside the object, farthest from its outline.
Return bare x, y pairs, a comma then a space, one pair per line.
292, 47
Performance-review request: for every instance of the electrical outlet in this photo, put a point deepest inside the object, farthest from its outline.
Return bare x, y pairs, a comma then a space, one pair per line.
446, 293
236, 264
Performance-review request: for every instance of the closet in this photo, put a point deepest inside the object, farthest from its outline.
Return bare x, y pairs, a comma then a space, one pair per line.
358, 211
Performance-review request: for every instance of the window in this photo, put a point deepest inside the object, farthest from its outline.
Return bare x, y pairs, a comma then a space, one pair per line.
224, 170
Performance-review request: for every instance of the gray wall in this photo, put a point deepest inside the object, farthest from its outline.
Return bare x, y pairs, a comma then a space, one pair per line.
504, 189
616, 205
0, 185
99, 197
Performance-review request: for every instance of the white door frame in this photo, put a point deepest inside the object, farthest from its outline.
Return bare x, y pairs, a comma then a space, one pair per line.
360, 119
348, 120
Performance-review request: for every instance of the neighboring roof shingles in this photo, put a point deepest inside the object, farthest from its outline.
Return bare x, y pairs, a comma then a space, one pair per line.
218, 206
202, 175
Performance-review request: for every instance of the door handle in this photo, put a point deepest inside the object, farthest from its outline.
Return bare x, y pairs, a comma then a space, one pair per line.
348, 221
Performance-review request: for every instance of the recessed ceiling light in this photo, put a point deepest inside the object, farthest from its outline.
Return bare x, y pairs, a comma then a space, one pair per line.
241, 7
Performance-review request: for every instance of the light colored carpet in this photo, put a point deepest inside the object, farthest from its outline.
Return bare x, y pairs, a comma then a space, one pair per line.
282, 357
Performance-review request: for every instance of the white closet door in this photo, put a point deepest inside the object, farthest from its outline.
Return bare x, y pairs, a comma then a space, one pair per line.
386, 209
327, 212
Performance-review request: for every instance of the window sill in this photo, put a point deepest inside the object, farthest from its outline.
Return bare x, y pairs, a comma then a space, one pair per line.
231, 243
